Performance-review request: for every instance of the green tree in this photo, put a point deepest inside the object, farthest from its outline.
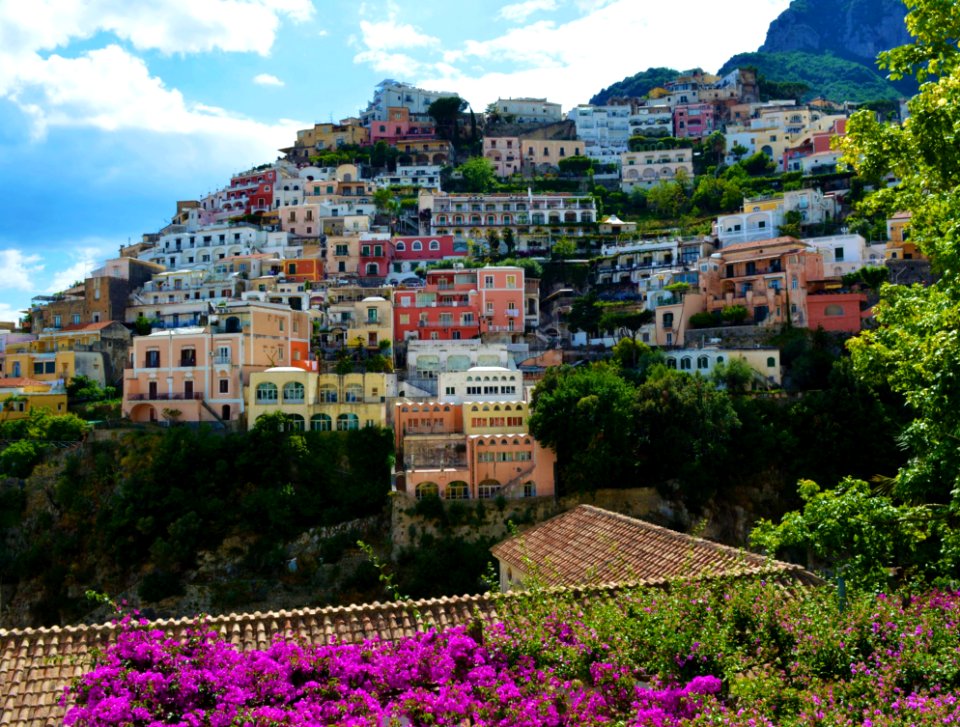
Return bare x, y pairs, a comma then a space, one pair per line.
575, 165
758, 164
445, 113
621, 322
734, 314
478, 174
563, 249
735, 375
667, 199
585, 313
792, 220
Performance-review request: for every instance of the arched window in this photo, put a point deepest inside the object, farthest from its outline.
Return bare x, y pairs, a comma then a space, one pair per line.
401, 247
703, 362
457, 490
328, 394
434, 244
295, 423
488, 489
293, 393
266, 393
671, 363
833, 310
320, 423
686, 363
668, 320
427, 489
771, 362
348, 422
353, 393
373, 268
417, 246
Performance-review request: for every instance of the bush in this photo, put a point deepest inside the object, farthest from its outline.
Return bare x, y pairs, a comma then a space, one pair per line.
19, 459
703, 320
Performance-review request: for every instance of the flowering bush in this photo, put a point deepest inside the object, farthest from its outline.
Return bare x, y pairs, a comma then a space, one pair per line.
744, 654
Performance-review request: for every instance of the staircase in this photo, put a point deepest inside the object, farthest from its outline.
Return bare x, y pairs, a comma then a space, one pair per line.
205, 405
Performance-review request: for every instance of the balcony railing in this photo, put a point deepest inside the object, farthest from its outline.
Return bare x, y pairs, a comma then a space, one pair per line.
176, 396
221, 360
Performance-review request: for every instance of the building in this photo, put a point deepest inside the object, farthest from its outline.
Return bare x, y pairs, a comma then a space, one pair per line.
19, 396
473, 445
694, 120
527, 110
765, 362
400, 127
197, 374
646, 169
769, 278
96, 350
761, 217
320, 402
390, 94
462, 303
428, 359
588, 545
602, 127
533, 220
408, 254
326, 137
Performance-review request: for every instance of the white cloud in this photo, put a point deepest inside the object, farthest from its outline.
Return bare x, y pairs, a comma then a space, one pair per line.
9, 313
568, 62
19, 270
267, 79
391, 35
169, 26
110, 88
519, 12
86, 255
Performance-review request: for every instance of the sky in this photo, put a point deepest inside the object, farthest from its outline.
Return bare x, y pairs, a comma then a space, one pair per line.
112, 110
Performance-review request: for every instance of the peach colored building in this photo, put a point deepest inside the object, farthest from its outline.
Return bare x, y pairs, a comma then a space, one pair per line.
197, 374
839, 311
472, 447
767, 277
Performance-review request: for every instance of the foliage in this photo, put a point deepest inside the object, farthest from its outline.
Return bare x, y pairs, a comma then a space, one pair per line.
703, 320
576, 165
915, 347
445, 113
637, 85
851, 530
84, 389
667, 199
758, 164
478, 174
792, 221
563, 248
823, 74
620, 322
871, 276
734, 375
532, 269
19, 458
585, 313
733, 314
740, 653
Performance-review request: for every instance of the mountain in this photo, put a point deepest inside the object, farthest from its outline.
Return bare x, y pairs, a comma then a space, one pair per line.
825, 74
854, 29
829, 45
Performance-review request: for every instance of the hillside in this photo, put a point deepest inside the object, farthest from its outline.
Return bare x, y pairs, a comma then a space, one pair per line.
827, 75
637, 85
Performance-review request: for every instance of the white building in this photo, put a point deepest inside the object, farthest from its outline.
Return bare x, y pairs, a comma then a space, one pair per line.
647, 168
480, 383
389, 93
762, 217
528, 110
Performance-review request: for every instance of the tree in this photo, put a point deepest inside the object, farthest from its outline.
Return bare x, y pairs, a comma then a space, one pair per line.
758, 164
585, 314
575, 165
563, 249
621, 322
667, 199
733, 314
792, 219
478, 174
734, 375
445, 113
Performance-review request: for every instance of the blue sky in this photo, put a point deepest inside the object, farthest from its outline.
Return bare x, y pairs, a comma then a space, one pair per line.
111, 110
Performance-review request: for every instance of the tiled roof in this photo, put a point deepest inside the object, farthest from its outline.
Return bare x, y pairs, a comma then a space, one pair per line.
773, 241
99, 326
588, 545
36, 664
16, 383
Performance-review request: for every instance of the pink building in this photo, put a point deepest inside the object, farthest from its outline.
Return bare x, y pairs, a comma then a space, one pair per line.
462, 303
197, 374
504, 152
399, 127
694, 120
836, 311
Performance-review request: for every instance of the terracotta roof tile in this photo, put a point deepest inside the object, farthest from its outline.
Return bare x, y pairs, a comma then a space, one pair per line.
784, 240
16, 383
588, 545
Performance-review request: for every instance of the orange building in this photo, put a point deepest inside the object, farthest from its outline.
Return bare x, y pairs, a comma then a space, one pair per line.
197, 374
767, 277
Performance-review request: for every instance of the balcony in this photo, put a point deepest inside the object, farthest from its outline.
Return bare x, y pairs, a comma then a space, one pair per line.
222, 360
176, 396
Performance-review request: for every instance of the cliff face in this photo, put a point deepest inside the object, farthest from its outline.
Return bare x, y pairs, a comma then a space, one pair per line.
854, 29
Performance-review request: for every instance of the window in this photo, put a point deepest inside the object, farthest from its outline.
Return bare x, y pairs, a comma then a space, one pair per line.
771, 362
224, 386
668, 320
833, 310
702, 363
427, 489
434, 244
457, 490
487, 281
266, 393
348, 422
685, 363
417, 246
353, 393
838, 254
152, 360
188, 357
76, 319
328, 394
488, 489
293, 392
341, 251
401, 247
321, 423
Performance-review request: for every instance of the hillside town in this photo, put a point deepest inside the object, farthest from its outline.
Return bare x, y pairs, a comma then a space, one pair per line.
395, 292
641, 412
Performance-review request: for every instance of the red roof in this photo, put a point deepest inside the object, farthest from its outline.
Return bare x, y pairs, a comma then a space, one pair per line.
760, 243
16, 383
86, 326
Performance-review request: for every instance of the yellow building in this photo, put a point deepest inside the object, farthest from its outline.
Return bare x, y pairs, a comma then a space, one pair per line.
900, 247
95, 350
20, 396
372, 323
495, 417
321, 402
